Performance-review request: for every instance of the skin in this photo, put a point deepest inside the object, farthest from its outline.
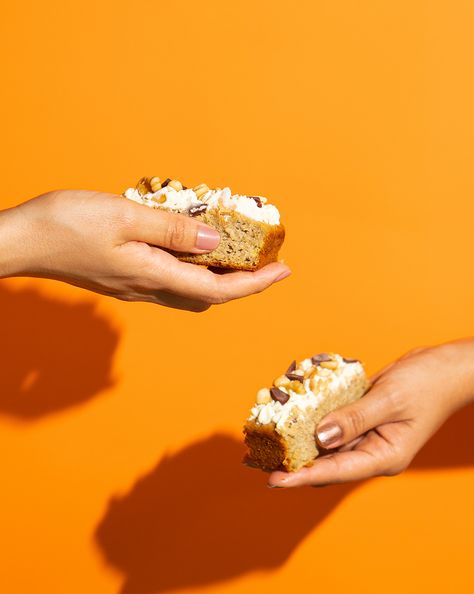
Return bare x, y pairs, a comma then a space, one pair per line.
380, 434
110, 245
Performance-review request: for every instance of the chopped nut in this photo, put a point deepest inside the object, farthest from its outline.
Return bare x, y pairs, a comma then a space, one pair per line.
281, 381
143, 186
263, 396
324, 372
309, 372
297, 387
175, 184
349, 360
200, 190
295, 376
194, 211
321, 357
257, 200
155, 184
329, 364
161, 199
279, 396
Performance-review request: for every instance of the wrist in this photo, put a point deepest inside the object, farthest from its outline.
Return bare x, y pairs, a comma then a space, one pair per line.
15, 243
459, 357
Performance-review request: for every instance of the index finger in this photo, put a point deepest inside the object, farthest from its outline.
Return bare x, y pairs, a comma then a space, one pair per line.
341, 467
195, 282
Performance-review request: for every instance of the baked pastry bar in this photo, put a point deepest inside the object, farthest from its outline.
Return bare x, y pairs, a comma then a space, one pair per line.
250, 229
280, 431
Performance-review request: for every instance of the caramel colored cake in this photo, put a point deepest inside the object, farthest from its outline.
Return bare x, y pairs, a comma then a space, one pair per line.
250, 229
280, 431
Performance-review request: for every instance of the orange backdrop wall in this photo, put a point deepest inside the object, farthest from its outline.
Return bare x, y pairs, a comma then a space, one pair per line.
120, 423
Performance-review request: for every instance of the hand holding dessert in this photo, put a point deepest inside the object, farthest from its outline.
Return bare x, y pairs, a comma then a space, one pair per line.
382, 432
112, 246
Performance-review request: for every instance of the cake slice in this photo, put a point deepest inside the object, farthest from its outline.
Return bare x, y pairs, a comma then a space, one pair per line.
250, 229
280, 431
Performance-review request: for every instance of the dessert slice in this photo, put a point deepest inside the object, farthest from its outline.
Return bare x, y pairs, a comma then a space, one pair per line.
250, 229
280, 431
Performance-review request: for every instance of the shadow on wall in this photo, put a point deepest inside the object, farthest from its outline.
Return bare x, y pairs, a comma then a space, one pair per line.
188, 523
54, 354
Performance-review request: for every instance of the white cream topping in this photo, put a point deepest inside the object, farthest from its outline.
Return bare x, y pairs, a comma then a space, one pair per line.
330, 381
182, 200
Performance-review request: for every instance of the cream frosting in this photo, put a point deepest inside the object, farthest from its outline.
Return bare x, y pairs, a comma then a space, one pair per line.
182, 200
327, 382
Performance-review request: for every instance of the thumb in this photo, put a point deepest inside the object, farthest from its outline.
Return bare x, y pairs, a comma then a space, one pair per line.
346, 424
170, 230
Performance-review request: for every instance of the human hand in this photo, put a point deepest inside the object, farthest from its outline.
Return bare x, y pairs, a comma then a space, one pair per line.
112, 246
381, 433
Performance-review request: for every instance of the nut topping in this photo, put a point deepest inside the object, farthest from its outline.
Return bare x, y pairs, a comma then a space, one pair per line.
320, 358
200, 190
194, 211
175, 184
160, 199
258, 200
329, 364
279, 396
263, 396
143, 186
281, 382
295, 377
155, 184
297, 387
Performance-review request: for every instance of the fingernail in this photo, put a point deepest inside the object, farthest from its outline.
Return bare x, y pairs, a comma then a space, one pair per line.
274, 487
329, 434
207, 238
282, 276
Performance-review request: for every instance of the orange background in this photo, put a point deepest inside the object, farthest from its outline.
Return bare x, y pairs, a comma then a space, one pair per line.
120, 423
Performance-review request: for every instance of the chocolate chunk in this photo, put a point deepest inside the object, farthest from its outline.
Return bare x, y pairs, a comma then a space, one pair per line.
257, 200
350, 360
194, 211
279, 396
295, 377
166, 182
291, 368
321, 358
185, 187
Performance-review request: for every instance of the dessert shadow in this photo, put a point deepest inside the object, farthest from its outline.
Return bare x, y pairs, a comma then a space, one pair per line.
201, 517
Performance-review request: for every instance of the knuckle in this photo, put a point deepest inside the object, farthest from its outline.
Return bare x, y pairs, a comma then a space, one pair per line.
176, 233
125, 215
355, 421
396, 401
218, 294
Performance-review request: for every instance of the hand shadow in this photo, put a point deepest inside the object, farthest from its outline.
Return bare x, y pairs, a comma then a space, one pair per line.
200, 516
54, 354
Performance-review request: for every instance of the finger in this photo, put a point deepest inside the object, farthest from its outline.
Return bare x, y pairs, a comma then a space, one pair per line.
170, 230
194, 282
379, 406
241, 284
341, 467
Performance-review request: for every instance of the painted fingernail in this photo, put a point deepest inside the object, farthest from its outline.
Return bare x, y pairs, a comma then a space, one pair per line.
207, 238
329, 434
274, 487
282, 276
